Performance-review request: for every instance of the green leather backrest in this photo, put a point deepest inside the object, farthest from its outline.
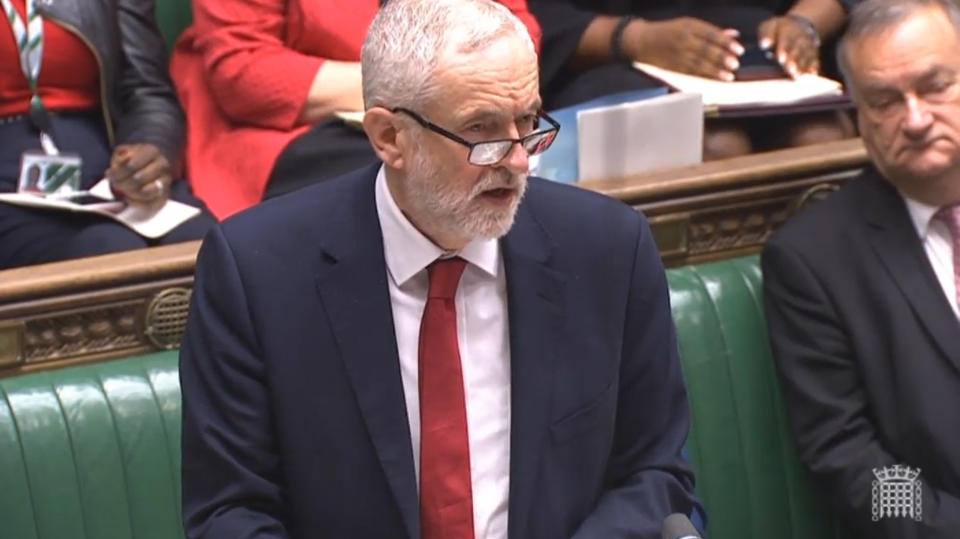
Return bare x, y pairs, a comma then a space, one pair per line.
173, 17
92, 452
748, 473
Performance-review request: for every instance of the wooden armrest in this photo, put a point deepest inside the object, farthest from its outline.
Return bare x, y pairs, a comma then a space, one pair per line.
95, 308
806, 161
728, 208
97, 272
134, 302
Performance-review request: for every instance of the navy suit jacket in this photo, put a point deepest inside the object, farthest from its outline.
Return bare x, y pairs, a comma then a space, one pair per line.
294, 421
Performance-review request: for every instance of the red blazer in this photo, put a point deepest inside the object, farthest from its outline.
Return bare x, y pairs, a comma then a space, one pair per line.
243, 70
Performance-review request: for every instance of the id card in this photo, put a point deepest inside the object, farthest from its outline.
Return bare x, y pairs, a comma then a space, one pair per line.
49, 174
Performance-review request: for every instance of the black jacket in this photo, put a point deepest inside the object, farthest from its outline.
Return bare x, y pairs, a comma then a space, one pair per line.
138, 100
868, 349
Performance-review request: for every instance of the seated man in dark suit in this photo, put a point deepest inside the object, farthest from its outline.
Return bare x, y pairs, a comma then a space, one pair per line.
437, 346
861, 289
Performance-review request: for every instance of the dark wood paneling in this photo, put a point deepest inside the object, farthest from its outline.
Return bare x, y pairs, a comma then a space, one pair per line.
729, 208
94, 308
135, 302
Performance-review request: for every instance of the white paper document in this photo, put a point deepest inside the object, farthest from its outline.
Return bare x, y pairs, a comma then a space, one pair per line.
353, 118
717, 93
148, 224
642, 136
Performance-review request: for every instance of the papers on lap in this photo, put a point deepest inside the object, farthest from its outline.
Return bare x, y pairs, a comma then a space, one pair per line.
774, 92
100, 201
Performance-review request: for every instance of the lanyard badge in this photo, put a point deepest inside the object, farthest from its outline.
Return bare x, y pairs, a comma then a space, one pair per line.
29, 38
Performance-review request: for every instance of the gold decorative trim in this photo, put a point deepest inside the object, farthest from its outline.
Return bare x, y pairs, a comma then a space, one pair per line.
79, 332
671, 233
814, 194
11, 344
735, 228
723, 225
166, 317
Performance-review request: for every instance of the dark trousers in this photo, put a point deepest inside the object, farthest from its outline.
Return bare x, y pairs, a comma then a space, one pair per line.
329, 149
31, 236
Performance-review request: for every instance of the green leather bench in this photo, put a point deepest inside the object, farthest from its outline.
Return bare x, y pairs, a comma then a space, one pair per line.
748, 473
93, 451
173, 17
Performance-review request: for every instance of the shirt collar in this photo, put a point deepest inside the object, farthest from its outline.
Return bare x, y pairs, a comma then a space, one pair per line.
921, 214
408, 252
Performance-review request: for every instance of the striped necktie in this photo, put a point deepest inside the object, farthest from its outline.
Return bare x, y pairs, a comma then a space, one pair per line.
951, 216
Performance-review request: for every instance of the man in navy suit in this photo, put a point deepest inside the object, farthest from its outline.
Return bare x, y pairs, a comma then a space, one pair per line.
438, 346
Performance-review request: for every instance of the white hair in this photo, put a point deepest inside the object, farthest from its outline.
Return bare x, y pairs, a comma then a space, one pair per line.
870, 17
409, 39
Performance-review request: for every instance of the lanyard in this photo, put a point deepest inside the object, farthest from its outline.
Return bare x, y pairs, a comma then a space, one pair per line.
29, 39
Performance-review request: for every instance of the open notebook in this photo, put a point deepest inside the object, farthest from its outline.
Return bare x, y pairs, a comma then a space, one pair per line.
777, 95
148, 224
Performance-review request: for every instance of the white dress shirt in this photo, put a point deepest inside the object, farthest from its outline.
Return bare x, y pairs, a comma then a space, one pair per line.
483, 335
938, 244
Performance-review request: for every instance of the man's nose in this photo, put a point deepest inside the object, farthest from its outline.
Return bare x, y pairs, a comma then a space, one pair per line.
918, 119
517, 160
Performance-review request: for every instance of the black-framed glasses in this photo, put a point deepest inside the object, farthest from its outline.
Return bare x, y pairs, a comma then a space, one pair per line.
489, 152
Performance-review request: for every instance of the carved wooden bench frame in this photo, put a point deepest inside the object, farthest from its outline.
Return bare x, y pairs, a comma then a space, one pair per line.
130, 303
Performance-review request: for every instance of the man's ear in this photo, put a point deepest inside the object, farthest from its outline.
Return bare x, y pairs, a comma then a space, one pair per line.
380, 126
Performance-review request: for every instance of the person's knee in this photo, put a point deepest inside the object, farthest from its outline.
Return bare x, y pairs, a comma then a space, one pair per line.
721, 141
103, 238
193, 229
820, 128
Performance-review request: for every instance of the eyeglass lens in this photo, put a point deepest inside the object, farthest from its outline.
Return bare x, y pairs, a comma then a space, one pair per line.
487, 153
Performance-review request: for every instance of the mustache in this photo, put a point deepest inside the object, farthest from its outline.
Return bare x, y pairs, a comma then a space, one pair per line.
499, 179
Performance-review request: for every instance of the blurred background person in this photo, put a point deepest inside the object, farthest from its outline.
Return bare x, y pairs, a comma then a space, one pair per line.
94, 79
589, 46
261, 81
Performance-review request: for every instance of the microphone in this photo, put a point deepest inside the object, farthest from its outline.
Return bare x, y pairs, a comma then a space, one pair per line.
678, 526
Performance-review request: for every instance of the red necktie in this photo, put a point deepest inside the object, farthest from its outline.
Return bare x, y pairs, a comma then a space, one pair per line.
951, 216
446, 496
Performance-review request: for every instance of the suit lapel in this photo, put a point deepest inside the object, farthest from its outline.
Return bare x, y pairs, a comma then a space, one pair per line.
894, 240
535, 304
352, 286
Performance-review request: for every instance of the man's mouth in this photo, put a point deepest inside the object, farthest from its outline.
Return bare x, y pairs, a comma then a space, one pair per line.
499, 193
922, 145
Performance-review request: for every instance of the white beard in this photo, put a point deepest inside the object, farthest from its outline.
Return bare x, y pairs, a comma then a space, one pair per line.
442, 206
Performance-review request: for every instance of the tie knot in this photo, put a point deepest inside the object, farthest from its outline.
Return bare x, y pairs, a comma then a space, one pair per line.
951, 216
445, 276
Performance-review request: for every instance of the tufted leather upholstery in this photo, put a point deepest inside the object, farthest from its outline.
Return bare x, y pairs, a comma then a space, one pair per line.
93, 451
173, 17
748, 474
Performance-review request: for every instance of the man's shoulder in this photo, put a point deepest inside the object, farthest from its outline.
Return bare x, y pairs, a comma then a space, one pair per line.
566, 208
307, 212
829, 224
